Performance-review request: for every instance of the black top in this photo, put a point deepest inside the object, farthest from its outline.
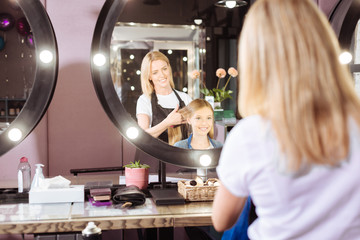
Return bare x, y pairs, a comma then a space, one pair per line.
159, 114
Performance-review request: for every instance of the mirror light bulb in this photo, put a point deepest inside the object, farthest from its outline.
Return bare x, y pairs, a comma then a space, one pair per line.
99, 59
169, 51
230, 4
345, 58
15, 134
132, 132
46, 56
205, 160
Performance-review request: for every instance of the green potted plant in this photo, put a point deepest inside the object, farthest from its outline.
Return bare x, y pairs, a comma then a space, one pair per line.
137, 174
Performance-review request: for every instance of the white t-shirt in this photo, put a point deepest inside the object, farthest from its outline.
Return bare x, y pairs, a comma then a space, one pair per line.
323, 203
143, 105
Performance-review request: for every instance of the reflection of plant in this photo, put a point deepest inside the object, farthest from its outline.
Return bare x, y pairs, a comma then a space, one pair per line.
136, 164
219, 94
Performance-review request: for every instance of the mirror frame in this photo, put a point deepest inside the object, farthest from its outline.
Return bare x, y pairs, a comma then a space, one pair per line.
115, 110
350, 19
45, 76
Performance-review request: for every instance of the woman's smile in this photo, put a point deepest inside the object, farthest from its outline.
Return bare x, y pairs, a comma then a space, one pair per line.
159, 75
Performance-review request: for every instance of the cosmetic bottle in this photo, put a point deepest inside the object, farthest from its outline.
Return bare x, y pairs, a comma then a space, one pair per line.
24, 175
38, 174
91, 232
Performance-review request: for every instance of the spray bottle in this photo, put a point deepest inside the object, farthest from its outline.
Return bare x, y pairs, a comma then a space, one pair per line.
38, 175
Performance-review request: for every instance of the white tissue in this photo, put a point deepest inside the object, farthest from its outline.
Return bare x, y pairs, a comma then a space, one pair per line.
55, 182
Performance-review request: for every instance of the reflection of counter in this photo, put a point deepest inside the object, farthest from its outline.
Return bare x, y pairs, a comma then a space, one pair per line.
67, 217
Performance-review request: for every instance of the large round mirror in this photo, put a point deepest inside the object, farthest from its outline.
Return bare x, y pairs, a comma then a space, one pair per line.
29, 65
110, 42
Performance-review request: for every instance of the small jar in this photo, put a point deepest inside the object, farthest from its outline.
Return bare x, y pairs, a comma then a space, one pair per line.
12, 111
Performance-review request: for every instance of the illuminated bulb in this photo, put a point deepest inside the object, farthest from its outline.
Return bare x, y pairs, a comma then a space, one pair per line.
185, 59
230, 4
15, 134
184, 89
198, 21
345, 58
99, 59
138, 72
132, 56
205, 160
46, 56
132, 132
169, 51
132, 88
202, 50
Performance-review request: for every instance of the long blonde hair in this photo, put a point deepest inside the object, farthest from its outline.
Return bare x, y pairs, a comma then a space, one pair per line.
195, 105
147, 86
291, 75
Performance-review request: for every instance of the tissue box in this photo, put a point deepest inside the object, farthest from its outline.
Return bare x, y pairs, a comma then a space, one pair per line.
75, 193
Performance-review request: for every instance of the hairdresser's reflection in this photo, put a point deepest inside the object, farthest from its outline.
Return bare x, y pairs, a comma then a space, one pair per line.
157, 108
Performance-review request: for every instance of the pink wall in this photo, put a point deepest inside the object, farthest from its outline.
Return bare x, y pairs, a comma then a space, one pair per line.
81, 135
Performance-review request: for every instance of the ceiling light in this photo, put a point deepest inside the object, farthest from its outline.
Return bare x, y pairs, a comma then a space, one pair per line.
198, 21
230, 3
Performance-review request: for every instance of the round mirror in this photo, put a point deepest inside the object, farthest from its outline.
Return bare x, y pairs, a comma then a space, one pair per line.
29, 60
101, 73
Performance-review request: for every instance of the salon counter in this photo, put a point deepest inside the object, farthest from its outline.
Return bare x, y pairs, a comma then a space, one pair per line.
73, 217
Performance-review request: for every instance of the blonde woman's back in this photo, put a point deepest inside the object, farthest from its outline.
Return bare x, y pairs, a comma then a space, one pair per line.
320, 202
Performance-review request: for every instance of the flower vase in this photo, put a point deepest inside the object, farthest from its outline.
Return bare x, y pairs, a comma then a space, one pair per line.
210, 99
217, 105
218, 111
